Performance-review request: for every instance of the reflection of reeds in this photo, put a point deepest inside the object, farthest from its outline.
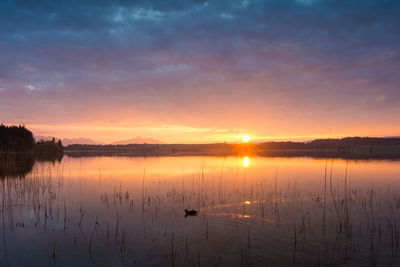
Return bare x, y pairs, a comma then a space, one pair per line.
54, 253
276, 196
353, 218
173, 253
324, 208
82, 215
15, 164
3, 205
295, 245
122, 246
117, 225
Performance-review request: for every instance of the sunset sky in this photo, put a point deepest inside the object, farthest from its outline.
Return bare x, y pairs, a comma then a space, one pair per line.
201, 71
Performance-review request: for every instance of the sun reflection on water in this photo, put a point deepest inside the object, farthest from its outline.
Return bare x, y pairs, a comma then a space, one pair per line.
246, 161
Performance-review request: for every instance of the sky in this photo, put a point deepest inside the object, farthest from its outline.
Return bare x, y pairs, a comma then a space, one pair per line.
201, 71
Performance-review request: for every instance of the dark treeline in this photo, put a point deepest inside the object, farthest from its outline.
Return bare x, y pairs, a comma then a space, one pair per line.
343, 143
357, 141
20, 139
350, 147
49, 149
150, 149
19, 150
16, 139
347, 142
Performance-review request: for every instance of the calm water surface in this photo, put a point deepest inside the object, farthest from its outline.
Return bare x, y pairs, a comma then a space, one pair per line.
117, 211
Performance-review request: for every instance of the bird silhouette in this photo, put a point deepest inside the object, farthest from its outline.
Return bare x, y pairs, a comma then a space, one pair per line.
190, 212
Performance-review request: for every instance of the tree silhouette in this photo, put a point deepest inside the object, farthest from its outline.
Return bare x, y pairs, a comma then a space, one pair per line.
16, 139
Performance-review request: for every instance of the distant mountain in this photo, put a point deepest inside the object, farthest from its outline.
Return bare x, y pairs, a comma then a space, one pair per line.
138, 140
81, 141
88, 141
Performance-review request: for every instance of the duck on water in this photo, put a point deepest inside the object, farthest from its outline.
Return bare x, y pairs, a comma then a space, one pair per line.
190, 212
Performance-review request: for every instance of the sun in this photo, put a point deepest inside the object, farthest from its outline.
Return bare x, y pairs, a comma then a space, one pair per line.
245, 138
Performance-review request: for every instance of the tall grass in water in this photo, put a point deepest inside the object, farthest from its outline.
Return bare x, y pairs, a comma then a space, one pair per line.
243, 222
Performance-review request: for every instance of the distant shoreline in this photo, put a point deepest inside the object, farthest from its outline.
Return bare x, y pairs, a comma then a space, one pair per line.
274, 153
346, 148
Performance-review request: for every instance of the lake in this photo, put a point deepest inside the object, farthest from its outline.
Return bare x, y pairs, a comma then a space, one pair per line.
252, 211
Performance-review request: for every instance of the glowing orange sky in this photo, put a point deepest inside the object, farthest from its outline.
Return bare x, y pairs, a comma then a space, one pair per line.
175, 134
200, 72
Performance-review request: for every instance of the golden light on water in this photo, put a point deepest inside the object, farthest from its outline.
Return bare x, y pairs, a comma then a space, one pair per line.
246, 161
247, 202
